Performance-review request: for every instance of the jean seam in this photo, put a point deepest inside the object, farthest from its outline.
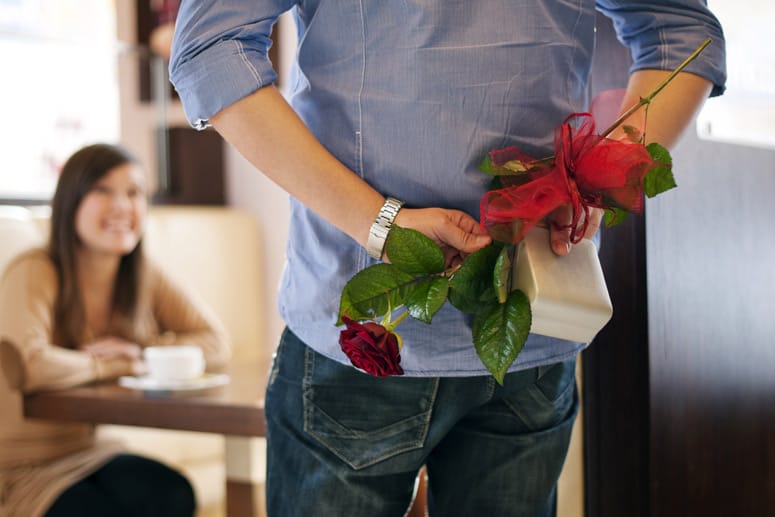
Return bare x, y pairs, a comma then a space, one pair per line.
431, 408
560, 395
490, 388
309, 361
556, 411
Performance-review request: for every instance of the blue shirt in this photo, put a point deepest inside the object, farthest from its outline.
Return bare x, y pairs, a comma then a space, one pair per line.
411, 95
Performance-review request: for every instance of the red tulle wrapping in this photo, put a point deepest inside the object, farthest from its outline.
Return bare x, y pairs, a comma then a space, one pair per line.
588, 171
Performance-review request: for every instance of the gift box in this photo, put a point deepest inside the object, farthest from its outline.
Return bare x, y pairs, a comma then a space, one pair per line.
568, 295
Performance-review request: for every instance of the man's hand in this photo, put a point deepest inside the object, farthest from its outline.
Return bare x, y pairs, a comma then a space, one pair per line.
457, 233
559, 227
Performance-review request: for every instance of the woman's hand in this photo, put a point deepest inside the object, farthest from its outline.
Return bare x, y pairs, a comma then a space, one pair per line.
111, 347
457, 233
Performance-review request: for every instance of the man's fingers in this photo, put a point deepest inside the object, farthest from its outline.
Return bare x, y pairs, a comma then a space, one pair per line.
462, 240
455, 231
559, 229
595, 218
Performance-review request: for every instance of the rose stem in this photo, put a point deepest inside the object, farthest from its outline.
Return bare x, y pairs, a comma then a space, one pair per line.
646, 100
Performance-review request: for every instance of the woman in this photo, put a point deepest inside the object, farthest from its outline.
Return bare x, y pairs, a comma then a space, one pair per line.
80, 311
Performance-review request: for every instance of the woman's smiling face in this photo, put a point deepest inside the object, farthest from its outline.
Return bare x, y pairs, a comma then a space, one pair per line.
111, 215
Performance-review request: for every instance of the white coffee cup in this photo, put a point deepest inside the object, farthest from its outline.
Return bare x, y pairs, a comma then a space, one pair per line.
178, 362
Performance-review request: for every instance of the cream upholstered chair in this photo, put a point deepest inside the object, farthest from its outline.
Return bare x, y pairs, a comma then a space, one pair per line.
214, 252
18, 232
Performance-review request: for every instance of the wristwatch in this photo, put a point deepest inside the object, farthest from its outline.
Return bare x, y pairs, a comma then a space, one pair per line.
381, 227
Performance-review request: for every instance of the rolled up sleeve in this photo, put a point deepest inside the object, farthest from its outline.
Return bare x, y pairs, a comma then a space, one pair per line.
661, 34
220, 53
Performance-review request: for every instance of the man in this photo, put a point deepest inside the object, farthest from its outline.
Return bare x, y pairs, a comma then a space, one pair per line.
402, 100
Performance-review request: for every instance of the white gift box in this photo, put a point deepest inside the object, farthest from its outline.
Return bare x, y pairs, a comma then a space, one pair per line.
568, 295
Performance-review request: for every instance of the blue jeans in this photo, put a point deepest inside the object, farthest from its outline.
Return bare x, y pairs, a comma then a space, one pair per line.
345, 444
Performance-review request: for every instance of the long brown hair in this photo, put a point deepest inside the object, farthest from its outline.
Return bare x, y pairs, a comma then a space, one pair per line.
79, 174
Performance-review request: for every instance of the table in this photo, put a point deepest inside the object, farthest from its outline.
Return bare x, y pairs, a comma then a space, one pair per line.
235, 410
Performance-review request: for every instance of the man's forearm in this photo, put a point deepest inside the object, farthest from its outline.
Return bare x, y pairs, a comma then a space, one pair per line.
269, 134
671, 111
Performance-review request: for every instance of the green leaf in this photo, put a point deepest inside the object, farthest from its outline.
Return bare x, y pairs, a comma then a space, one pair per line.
426, 297
346, 307
473, 279
660, 178
633, 133
510, 168
514, 167
500, 331
514, 172
659, 153
413, 253
502, 274
614, 216
366, 295
487, 166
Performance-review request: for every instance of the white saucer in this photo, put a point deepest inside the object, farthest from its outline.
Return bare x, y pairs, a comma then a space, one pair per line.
145, 383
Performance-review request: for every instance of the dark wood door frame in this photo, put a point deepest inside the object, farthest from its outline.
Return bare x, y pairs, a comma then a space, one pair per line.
615, 384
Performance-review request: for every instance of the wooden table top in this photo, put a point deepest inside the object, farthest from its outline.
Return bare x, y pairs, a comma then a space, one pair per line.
236, 408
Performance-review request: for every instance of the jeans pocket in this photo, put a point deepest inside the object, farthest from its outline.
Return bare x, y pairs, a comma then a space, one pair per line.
556, 381
550, 400
361, 419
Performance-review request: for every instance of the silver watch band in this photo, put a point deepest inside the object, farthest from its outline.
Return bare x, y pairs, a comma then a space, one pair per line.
381, 227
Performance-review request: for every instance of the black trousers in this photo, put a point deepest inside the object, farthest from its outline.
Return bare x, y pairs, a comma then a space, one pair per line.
128, 486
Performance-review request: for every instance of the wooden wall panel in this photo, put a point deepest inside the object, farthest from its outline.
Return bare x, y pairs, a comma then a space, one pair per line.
679, 388
195, 167
711, 285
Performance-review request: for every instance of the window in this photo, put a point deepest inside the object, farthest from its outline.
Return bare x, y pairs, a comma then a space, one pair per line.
745, 114
59, 89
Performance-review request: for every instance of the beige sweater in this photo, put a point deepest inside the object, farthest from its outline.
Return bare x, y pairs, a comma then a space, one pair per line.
40, 459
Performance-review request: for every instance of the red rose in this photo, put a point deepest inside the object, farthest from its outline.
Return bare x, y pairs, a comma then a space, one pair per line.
371, 347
